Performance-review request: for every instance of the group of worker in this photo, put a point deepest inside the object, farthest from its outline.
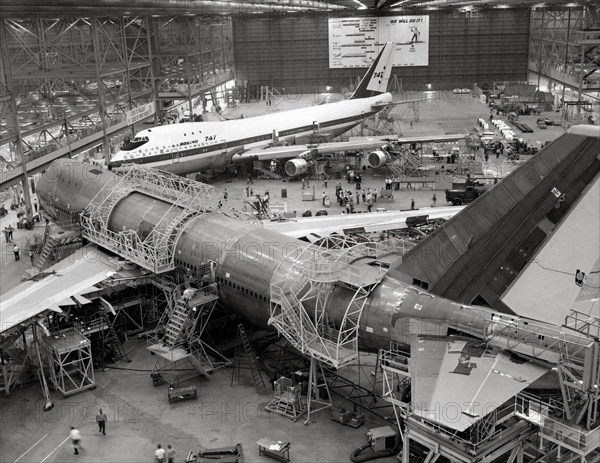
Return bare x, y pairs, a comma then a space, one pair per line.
160, 455
8, 233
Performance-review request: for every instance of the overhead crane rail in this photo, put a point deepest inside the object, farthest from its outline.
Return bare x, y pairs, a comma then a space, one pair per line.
154, 252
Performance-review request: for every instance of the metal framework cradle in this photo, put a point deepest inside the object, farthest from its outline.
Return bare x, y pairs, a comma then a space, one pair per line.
525, 428
300, 300
154, 252
177, 340
72, 367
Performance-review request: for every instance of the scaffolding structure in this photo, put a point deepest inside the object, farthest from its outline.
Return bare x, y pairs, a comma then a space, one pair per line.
16, 362
300, 302
154, 252
71, 363
181, 353
267, 169
526, 428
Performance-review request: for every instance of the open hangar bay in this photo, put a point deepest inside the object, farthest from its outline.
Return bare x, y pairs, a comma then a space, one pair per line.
311, 231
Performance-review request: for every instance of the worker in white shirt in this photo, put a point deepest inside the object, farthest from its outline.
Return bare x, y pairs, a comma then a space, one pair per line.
160, 454
75, 436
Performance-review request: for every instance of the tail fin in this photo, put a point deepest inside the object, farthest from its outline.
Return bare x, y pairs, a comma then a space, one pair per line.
377, 77
528, 244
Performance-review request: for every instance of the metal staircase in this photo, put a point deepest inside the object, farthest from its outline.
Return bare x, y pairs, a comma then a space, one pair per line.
107, 336
262, 169
177, 338
110, 336
48, 248
177, 321
404, 164
300, 306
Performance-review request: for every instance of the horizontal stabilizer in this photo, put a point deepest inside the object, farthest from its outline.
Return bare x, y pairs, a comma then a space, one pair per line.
458, 381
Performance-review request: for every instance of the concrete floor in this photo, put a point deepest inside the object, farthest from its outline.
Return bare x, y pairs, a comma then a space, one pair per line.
139, 414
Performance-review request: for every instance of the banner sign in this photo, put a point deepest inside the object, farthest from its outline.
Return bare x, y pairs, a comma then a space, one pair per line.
355, 42
141, 112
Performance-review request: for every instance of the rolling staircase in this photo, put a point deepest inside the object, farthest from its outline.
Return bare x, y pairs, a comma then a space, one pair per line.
263, 170
176, 323
178, 338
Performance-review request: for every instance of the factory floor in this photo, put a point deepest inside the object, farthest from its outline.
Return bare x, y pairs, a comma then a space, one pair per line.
139, 415
140, 418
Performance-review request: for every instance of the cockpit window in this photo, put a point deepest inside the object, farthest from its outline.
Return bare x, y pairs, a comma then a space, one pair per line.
135, 143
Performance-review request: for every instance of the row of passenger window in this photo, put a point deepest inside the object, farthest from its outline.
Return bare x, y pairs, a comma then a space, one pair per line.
194, 269
237, 287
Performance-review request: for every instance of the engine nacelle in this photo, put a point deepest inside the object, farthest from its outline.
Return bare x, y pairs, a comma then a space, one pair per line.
377, 159
295, 167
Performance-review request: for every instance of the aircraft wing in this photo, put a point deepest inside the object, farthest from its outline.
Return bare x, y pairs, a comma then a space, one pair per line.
457, 381
377, 106
356, 144
70, 277
367, 223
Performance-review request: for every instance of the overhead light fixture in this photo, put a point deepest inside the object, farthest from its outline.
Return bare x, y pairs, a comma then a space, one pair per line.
398, 3
362, 5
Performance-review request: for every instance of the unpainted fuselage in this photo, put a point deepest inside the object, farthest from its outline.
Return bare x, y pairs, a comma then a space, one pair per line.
249, 257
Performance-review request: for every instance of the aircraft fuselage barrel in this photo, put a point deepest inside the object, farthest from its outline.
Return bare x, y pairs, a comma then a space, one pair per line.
249, 257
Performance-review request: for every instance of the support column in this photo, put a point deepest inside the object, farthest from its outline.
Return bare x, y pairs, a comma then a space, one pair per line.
154, 62
101, 102
6, 80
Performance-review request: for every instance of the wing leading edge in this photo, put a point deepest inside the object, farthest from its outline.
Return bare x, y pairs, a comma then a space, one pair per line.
88, 266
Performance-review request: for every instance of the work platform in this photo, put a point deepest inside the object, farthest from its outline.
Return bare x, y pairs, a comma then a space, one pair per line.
563, 427
177, 338
154, 252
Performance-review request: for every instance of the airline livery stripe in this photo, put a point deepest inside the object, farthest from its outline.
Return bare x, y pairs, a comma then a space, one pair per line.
243, 141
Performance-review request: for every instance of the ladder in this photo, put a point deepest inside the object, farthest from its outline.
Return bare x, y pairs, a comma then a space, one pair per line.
44, 257
111, 336
176, 322
250, 356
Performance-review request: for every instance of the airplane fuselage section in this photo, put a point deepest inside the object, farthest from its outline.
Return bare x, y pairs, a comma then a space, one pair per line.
249, 258
197, 146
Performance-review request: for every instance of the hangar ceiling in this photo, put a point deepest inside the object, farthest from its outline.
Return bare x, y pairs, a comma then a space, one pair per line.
13, 8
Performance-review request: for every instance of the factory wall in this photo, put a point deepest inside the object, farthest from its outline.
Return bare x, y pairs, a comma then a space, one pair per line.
291, 52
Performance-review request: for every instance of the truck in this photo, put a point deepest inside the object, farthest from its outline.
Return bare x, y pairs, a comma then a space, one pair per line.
464, 191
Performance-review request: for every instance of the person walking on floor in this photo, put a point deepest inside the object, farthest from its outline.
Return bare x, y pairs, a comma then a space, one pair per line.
101, 420
16, 250
170, 454
160, 454
31, 256
10, 232
412, 204
433, 200
75, 436
324, 196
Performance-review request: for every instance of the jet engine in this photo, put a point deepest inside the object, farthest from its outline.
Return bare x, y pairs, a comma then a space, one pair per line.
296, 167
377, 159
